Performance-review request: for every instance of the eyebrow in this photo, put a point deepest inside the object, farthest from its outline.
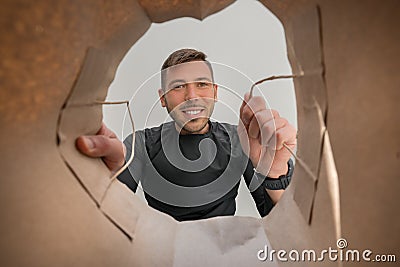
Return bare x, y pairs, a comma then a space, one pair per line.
183, 81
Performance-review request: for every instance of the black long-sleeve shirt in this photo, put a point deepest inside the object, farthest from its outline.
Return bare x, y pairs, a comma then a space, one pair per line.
192, 176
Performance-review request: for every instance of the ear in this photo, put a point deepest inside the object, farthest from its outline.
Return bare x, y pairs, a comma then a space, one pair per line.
215, 93
161, 94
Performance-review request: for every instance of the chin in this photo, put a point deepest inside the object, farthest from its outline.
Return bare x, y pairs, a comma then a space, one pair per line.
195, 125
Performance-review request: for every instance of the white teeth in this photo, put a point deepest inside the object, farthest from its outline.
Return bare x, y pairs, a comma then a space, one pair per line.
193, 112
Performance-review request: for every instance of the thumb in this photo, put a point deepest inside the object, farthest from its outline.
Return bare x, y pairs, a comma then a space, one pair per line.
100, 146
112, 150
86, 145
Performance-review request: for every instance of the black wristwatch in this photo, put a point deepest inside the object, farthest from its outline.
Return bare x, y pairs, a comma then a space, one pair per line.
277, 183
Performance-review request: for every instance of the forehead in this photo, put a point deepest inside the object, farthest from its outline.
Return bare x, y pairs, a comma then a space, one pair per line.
190, 71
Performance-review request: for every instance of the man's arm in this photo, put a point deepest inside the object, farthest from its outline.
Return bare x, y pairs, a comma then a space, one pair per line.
106, 145
135, 168
261, 197
262, 133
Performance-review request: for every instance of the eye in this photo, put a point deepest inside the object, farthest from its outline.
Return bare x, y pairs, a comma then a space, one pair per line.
203, 84
178, 86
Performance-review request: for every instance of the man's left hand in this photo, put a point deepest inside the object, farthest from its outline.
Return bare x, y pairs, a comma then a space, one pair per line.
262, 133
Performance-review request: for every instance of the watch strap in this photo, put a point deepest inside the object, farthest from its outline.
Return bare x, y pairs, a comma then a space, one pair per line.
282, 182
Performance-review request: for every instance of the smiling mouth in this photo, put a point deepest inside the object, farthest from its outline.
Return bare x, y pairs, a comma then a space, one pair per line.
193, 112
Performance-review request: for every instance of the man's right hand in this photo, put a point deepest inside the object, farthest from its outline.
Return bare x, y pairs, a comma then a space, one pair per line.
105, 145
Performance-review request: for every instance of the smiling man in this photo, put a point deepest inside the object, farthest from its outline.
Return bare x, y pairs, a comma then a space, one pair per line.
190, 168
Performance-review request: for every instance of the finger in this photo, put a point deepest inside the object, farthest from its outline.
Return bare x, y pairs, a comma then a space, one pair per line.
241, 128
243, 138
84, 145
101, 146
244, 103
260, 118
256, 103
269, 130
287, 135
266, 159
254, 128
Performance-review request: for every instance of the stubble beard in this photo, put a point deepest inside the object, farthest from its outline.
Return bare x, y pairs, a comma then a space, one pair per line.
191, 130
185, 126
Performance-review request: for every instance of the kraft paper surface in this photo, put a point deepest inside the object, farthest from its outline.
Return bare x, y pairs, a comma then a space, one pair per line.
60, 208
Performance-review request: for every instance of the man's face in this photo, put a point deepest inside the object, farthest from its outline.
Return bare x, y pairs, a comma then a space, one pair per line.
189, 96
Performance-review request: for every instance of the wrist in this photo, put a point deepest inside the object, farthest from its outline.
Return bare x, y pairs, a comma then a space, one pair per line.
277, 172
281, 182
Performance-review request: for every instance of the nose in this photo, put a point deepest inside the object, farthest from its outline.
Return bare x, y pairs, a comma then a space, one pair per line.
190, 91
